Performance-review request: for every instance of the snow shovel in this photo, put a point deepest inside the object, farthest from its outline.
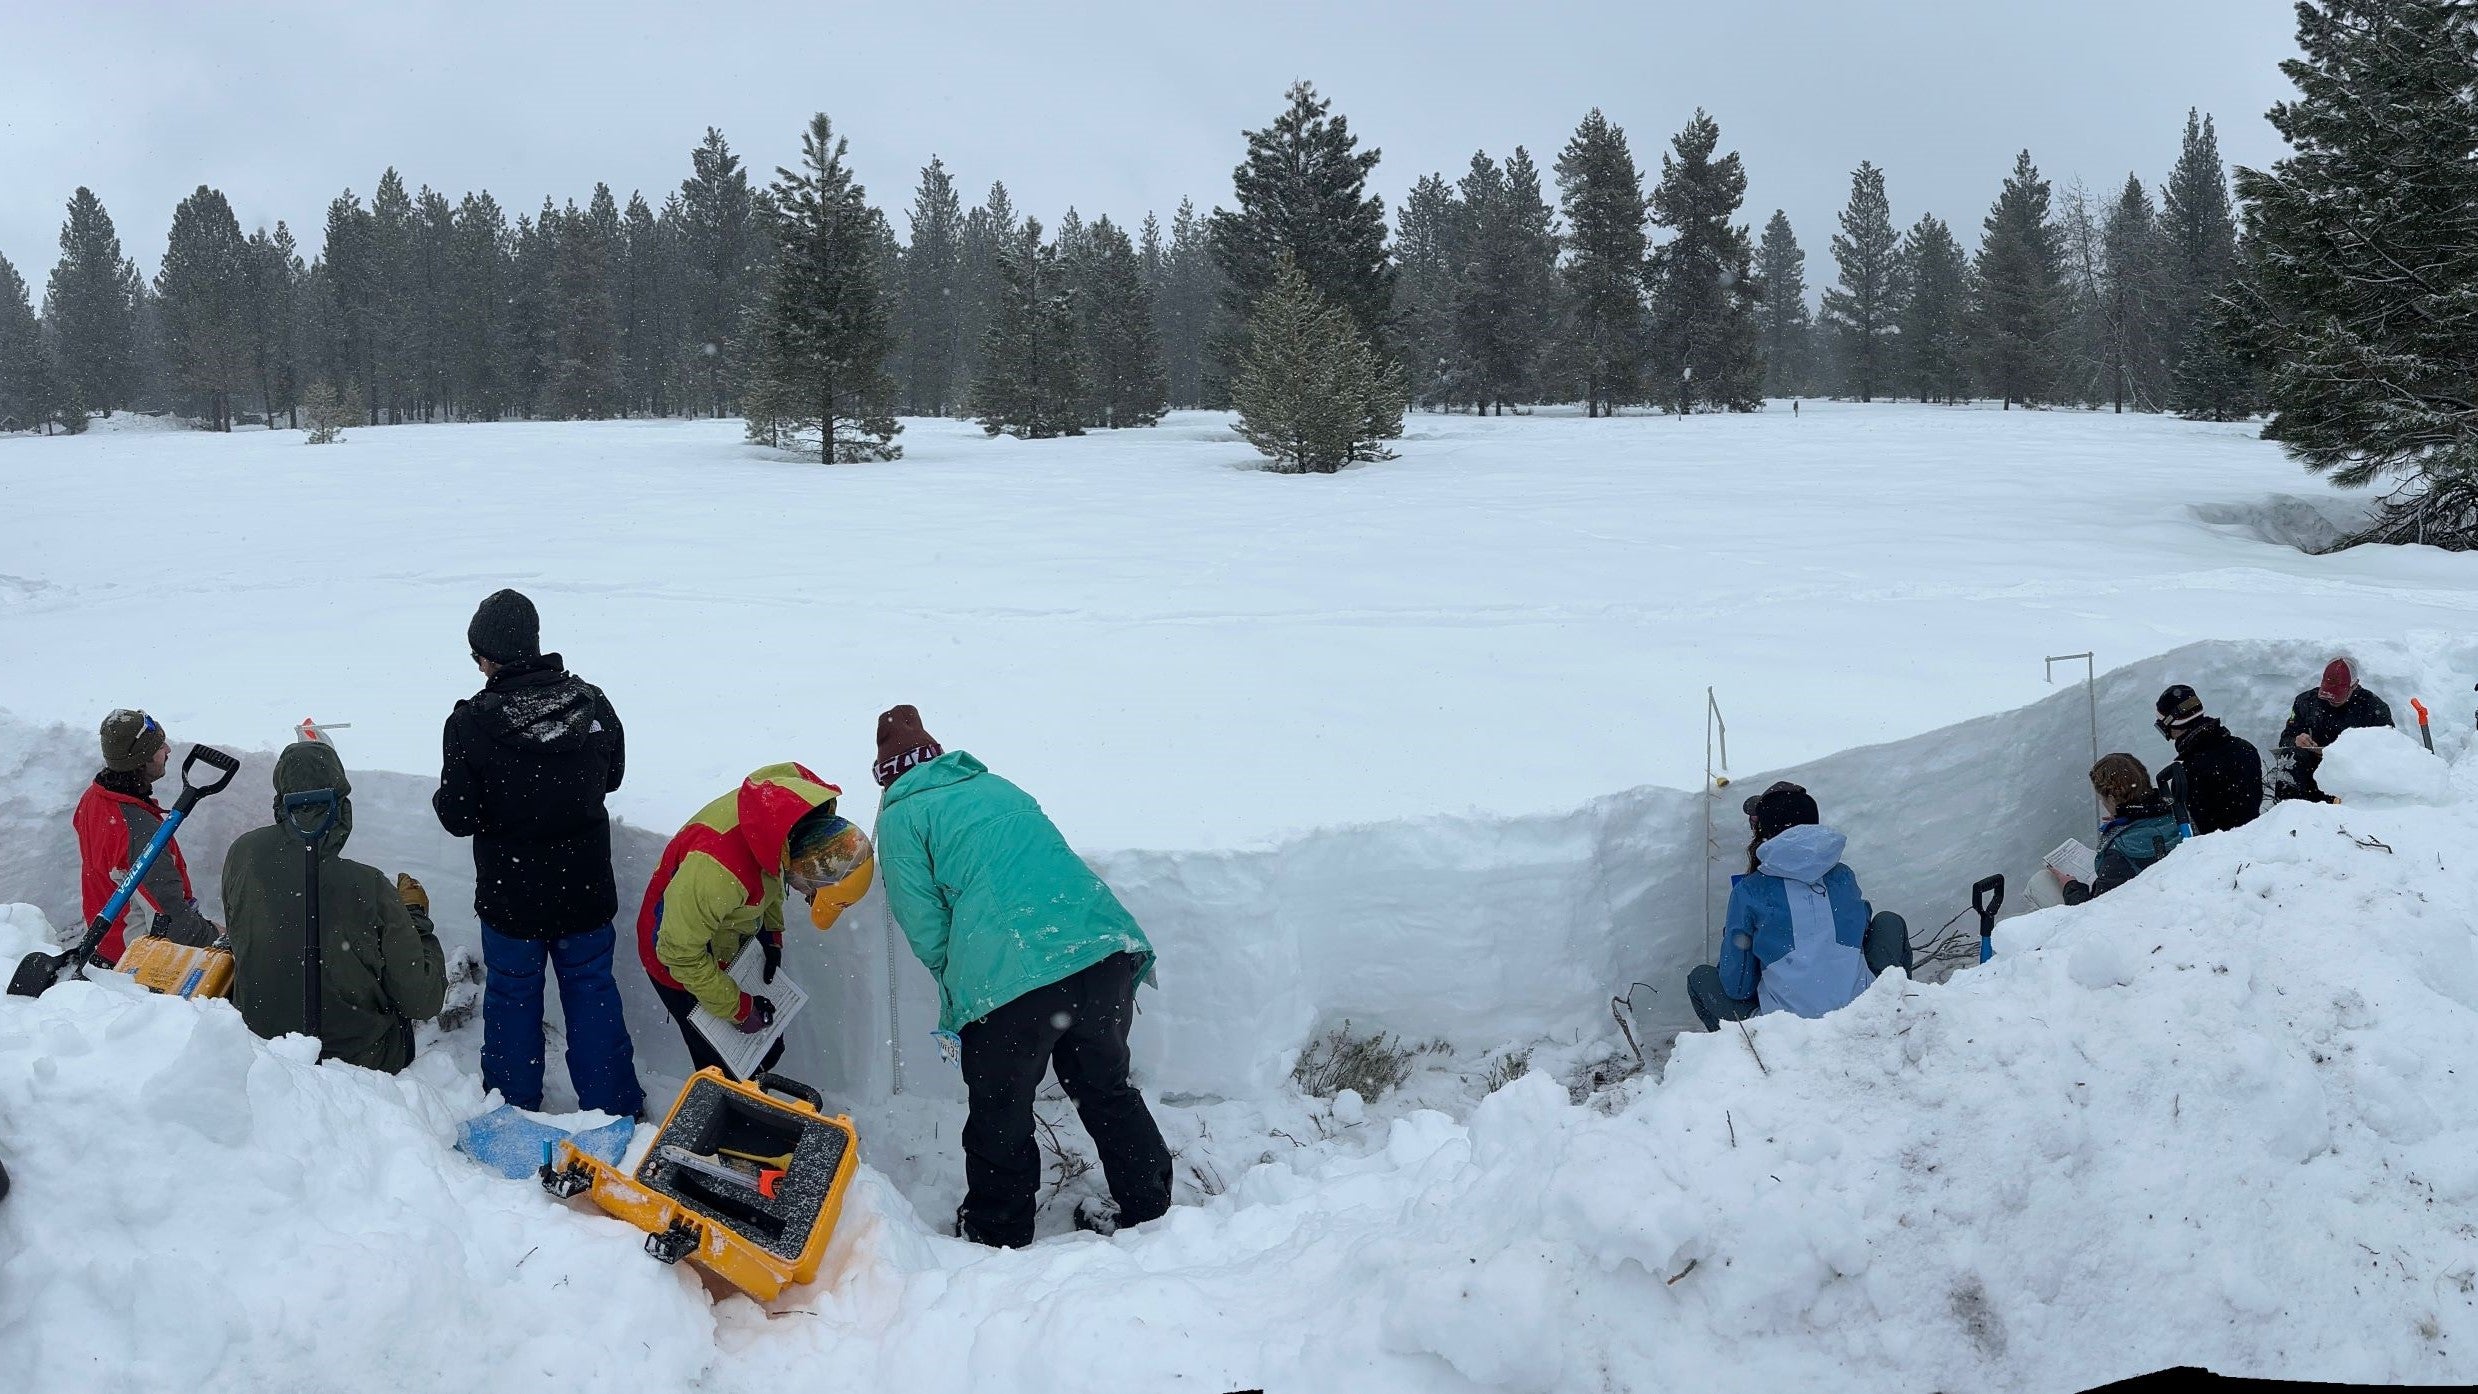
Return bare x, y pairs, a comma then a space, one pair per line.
1987, 898
37, 972
2424, 732
313, 997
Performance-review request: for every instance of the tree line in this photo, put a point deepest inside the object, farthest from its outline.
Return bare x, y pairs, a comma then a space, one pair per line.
732, 297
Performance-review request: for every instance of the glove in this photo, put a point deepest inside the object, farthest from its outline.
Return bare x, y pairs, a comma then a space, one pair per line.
411, 893
756, 1014
771, 945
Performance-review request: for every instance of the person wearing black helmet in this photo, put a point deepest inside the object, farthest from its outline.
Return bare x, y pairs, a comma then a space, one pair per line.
2217, 778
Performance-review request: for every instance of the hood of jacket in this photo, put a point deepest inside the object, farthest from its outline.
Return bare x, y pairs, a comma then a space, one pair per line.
771, 800
308, 765
954, 767
1803, 854
537, 705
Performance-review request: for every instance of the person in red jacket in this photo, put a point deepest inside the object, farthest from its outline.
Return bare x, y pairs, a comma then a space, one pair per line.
115, 820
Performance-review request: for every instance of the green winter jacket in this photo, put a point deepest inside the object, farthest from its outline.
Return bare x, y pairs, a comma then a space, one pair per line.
992, 898
379, 961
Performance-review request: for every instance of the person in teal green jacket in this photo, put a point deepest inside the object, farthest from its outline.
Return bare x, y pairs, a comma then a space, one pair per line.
1037, 965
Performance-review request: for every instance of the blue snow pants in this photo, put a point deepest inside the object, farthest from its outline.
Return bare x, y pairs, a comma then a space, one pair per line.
602, 1063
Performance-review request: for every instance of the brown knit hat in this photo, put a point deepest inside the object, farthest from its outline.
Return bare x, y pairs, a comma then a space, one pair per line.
902, 743
130, 739
2121, 779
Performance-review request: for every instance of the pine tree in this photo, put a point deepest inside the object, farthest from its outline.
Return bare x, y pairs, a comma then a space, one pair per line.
1122, 346
90, 309
2362, 255
430, 306
1313, 395
1864, 311
989, 231
347, 282
1704, 345
1191, 312
480, 328
1032, 383
934, 296
533, 310
1781, 317
645, 345
1504, 262
1934, 337
2199, 231
205, 283
1601, 192
394, 338
2133, 314
825, 334
585, 373
719, 254
1427, 251
1302, 191
275, 276
23, 398
2077, 366
2019, 286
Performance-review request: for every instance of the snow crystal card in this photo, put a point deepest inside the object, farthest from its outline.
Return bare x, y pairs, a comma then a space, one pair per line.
742, 1050
2072, 861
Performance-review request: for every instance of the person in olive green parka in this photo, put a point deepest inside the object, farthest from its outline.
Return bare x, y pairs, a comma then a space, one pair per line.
1037, 966
378, 957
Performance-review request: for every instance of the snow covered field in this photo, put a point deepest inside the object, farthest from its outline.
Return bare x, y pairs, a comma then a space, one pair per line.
1173, 651
1414, 745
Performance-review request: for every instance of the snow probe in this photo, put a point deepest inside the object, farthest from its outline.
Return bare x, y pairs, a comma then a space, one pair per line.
759, 1232
313, 995
1987, 898
2424, 732
37, 972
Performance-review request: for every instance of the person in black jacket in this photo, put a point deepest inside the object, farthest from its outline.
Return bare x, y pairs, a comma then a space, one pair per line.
526, 763
2217, 778
2316, 719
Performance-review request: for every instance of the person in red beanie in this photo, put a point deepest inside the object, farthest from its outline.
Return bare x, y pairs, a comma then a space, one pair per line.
2316, 719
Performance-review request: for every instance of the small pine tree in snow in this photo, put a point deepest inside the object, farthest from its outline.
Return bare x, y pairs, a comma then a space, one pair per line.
324, 414
1312, 395
824, 333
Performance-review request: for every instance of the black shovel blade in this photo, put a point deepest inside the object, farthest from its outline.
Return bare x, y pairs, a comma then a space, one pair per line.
36, 973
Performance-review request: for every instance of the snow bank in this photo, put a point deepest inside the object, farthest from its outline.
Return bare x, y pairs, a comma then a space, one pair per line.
2212, 1118
2383, 767
1480, 930
196, 1208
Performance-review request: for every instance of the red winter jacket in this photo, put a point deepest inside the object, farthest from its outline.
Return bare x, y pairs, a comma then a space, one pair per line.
113, 828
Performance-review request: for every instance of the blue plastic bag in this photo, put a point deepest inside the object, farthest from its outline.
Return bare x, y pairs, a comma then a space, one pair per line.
514, 1143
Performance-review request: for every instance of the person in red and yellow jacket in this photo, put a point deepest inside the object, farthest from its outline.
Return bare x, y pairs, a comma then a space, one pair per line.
721, 883
115, 819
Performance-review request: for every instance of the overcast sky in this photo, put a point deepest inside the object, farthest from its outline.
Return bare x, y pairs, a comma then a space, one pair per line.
1112, 107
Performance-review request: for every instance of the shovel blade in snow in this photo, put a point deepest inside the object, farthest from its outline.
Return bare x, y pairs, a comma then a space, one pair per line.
36, 973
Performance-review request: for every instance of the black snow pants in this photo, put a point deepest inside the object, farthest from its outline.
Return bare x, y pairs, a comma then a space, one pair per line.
1079, 1026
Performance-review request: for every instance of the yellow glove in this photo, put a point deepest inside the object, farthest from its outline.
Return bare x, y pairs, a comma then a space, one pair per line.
411, 892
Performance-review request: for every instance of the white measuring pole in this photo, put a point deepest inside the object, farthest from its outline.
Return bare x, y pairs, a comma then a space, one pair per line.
2090, 687
1715, 780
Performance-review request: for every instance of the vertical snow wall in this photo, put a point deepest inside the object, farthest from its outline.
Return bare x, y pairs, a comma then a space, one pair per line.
1482, 930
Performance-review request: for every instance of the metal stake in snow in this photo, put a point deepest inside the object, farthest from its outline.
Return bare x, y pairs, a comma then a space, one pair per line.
2090, 685
1715, 780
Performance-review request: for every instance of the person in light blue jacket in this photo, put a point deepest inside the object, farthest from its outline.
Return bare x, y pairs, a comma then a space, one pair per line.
1798, 937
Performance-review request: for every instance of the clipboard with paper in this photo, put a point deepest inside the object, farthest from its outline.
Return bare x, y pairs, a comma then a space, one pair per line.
2072, 861
741, 1050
